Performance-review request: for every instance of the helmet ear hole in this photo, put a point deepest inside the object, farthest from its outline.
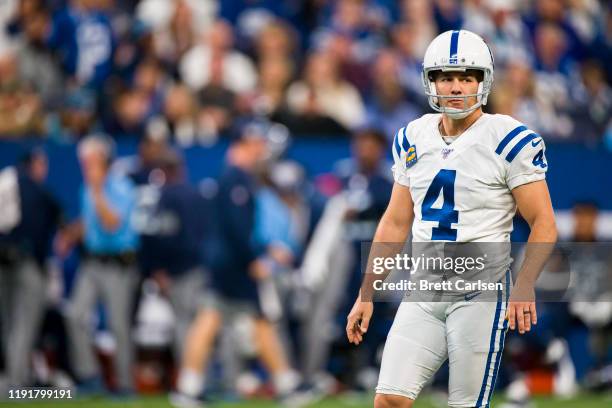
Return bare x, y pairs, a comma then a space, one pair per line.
480, 96
433, 91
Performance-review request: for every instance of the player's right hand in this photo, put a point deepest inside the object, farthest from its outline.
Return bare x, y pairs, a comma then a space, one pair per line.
358, 320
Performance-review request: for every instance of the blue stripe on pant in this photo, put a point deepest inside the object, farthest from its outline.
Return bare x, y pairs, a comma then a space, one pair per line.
494, 358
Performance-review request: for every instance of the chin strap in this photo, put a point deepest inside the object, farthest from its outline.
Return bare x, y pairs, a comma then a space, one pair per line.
455, 113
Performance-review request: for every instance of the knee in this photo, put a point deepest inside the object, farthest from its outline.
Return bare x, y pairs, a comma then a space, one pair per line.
392, 401
206, 324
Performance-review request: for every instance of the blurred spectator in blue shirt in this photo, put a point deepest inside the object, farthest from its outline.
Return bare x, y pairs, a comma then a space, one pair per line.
556, 77
106, 208
282, 214
354, 21
273, 223
77, 116
251, 16
448, 15
134, 45
387, 107
601, 46
555, 12
108, 271
410, 63
552, 50
82, 36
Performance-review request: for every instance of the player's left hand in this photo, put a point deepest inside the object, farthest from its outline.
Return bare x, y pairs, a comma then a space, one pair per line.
522, 309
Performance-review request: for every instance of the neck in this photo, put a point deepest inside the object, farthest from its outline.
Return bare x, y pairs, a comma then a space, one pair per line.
455, 127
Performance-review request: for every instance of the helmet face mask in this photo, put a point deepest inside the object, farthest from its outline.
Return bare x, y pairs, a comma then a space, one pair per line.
457, 51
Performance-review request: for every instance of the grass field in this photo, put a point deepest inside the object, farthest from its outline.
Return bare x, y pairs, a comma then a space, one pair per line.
584, 401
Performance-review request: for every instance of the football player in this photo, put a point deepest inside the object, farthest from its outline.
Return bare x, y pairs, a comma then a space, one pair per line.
460, 175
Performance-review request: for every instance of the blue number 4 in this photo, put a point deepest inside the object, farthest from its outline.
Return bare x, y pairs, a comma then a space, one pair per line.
445, 182
539, 160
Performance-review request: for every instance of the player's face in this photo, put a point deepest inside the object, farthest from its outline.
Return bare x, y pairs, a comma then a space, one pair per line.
457, 84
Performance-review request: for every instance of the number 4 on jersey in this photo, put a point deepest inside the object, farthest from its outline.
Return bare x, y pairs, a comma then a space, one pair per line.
539, 159
443, 182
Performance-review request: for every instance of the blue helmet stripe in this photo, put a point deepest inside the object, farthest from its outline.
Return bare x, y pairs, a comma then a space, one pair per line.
509, 137
454, 44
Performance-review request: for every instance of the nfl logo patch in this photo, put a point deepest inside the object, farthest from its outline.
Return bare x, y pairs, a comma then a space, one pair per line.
446, 152
411, 156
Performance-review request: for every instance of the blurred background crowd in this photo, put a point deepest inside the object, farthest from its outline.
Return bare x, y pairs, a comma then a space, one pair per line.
319, 67
188, 188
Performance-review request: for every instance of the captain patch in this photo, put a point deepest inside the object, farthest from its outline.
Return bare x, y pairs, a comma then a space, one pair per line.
411, 156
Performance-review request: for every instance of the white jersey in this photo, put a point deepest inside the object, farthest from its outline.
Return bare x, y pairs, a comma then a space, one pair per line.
462, 191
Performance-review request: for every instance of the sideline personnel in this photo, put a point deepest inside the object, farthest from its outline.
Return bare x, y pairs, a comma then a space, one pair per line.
108, 269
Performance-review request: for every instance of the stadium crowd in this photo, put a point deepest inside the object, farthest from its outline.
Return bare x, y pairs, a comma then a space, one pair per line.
249, 257
320, 67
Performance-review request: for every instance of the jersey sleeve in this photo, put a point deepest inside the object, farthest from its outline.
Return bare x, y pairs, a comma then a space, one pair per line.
400, 148
526, 160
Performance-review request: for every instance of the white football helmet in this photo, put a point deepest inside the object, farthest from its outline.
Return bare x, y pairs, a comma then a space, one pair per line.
458, 50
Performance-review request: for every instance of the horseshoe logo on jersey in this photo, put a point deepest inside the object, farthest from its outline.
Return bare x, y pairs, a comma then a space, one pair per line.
411, 156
